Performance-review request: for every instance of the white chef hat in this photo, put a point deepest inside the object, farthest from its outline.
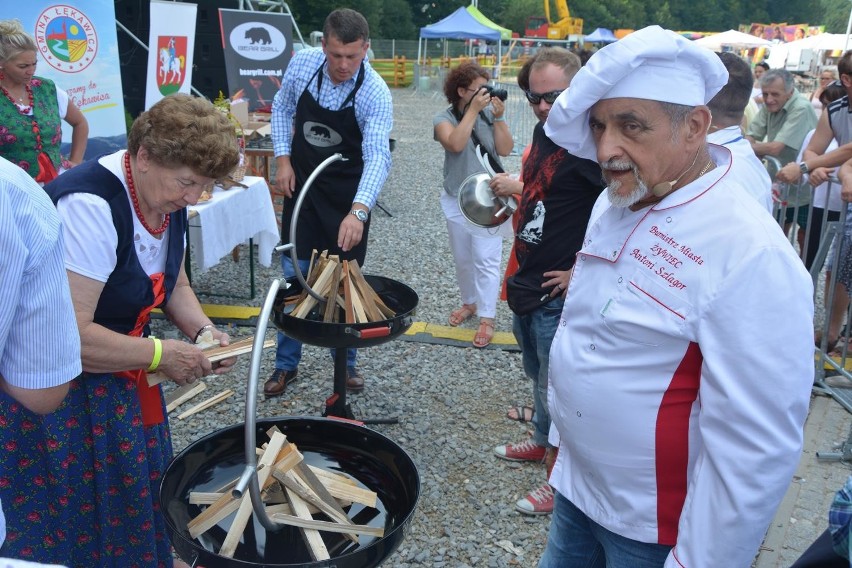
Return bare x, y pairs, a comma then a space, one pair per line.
651, 63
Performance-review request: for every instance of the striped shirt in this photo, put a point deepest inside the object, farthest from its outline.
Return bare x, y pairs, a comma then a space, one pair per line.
373, 112
39, 341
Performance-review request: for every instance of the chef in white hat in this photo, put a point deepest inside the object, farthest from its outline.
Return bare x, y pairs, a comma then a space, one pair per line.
681, 371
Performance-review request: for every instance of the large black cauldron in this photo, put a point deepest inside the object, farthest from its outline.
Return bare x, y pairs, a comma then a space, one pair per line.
373, 460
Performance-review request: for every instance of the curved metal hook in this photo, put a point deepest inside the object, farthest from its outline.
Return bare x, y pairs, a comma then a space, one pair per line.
296, 209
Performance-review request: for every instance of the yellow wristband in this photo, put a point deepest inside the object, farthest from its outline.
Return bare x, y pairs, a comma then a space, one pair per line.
158, 352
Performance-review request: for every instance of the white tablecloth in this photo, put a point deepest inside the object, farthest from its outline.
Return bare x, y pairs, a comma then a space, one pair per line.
231, 218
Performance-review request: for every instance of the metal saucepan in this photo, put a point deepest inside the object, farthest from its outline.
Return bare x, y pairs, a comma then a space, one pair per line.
373, 460
398, 297
480, 206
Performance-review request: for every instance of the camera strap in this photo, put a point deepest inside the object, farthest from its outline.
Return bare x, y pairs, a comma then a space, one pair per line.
495, 164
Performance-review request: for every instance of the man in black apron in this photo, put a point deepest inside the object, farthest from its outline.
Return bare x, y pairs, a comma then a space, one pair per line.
330, 102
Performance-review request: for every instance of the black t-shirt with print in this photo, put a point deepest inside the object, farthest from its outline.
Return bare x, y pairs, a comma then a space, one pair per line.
560, 190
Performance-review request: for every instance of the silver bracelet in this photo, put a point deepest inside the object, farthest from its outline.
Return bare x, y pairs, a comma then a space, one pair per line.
499, 119
200, 331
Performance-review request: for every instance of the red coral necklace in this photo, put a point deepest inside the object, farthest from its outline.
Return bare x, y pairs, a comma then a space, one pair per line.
135, 199
25, 111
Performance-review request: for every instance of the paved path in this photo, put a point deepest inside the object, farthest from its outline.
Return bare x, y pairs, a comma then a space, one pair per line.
803, 514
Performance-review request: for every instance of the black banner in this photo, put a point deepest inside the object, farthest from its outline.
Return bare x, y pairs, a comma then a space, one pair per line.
258, 47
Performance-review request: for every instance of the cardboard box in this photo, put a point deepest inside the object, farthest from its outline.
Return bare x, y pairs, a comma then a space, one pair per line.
256, 129
240, 111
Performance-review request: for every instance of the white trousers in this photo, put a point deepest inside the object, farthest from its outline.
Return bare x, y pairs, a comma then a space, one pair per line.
477, 253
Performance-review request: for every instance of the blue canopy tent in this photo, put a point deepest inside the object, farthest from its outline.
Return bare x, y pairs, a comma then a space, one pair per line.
458, 25
600, 35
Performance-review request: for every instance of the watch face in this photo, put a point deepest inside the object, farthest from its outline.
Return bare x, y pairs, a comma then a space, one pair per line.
360, 215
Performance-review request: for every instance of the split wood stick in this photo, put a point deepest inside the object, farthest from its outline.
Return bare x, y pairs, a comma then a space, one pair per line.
209, 517
270, 456
216, 399
309, 302
345, 492
360, 314
216, 354
388, 313
341, 487
311, 262
366, 292
332, 476
347, 294
327, 526
292, 482
330, 304
182, 394
312, 537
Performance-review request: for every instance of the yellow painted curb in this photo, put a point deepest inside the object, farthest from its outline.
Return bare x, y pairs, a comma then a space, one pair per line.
457, 333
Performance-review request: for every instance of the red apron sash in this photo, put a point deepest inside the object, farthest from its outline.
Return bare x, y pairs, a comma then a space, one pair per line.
149, 397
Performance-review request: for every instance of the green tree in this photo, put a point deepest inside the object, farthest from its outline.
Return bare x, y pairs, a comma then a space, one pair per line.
396, 21
515, 14
835, 16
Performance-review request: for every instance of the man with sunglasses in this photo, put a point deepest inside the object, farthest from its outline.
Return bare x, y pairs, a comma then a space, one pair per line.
558, 191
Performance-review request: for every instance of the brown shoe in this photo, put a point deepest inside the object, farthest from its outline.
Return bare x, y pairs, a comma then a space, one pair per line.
278, 381
354, 381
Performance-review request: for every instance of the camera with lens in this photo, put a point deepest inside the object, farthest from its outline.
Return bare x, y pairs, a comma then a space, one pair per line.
501, 94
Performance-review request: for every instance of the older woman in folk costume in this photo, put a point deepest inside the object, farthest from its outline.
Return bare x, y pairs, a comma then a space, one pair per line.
81, 486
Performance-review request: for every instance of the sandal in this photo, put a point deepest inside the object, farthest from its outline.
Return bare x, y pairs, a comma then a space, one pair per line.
484, 334
521, 413
462, 314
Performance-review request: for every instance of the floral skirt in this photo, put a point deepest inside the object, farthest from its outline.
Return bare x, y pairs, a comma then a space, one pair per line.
79, 487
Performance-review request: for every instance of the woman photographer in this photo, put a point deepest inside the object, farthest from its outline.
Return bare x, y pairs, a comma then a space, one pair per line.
474, 117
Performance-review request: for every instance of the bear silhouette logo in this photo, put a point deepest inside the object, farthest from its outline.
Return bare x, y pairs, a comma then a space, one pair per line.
320, 131
258, 35
320, 135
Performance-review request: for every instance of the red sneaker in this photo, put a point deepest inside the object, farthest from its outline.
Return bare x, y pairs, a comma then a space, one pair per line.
538, 502
524, 451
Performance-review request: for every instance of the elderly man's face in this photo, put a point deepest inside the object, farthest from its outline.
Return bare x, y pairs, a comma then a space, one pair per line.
635, 147
775, 96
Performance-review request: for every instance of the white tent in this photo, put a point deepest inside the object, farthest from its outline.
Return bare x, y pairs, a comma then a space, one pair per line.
820, 42
781, 52
732, 39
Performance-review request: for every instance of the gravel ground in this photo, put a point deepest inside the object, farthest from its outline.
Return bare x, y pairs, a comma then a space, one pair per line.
451, 401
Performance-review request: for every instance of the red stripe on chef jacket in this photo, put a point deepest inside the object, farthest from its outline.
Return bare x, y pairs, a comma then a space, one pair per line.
672, 443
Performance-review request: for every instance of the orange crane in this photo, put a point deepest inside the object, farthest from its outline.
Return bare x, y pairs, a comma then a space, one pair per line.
544, 27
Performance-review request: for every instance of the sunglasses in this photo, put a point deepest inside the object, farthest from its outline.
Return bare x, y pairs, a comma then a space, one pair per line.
549, 98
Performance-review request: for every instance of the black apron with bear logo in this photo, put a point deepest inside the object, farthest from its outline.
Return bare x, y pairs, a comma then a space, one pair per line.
317, 134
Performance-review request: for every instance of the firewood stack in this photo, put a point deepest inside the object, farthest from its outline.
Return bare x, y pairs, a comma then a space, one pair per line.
292, 492
348, 297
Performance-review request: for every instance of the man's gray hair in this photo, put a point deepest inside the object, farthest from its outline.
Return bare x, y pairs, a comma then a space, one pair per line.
773, 74
677, 115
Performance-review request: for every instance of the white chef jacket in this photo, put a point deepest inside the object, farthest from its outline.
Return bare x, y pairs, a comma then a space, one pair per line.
681, 371
746, 166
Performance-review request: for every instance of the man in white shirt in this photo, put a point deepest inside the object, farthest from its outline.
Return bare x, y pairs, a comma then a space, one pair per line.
39, 342
678, 418
727, 108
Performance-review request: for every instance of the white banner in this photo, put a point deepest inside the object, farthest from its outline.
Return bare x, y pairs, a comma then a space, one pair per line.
171, 44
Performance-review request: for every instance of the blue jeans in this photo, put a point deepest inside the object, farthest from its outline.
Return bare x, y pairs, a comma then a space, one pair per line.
576, 541
534, 333
289, 351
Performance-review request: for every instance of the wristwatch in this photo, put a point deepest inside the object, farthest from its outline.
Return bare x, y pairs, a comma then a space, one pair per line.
803, 167
360, 214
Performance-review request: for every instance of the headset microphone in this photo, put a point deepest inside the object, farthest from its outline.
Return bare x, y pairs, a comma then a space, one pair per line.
665, 187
